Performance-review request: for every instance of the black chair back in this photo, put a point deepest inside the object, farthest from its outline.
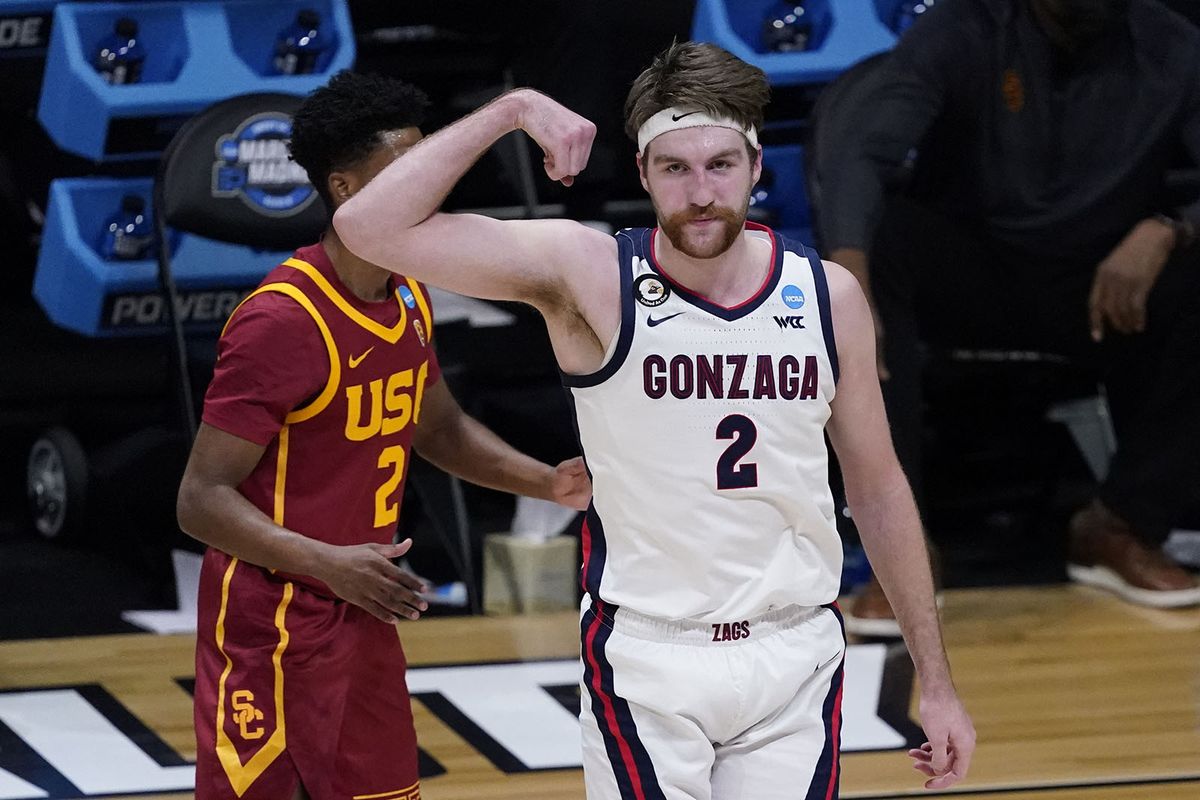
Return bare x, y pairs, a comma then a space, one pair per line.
226, 175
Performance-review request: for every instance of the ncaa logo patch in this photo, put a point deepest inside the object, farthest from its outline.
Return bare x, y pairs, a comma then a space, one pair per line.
649, 290
792, 296
407, 296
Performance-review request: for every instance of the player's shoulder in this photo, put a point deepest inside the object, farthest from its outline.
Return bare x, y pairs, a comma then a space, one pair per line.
568, 242
270, 310
791, 245
281, 288
842, 283
595, 240
845, 292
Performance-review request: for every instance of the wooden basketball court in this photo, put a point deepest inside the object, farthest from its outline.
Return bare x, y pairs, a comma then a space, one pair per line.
1075, 696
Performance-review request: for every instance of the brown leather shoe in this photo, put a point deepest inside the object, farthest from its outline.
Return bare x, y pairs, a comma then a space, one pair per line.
1106, 553
871, 614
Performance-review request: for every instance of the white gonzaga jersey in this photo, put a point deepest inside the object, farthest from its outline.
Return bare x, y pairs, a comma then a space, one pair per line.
704, 436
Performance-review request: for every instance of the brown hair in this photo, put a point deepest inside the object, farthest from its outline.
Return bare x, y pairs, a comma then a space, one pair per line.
701, 75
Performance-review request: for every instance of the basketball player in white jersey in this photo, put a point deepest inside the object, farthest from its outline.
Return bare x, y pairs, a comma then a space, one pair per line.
706, 359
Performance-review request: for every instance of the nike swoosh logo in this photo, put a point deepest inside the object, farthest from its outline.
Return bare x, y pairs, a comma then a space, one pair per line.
651, 321
677, 117
354, 362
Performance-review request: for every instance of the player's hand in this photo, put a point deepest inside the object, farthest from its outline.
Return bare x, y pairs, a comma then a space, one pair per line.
945, 758
570, 485
363, 574
564, 136
1125, 277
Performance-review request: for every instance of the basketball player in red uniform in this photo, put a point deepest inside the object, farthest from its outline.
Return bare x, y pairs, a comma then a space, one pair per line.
326, 380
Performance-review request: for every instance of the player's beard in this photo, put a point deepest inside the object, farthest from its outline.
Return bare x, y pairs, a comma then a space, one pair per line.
731, 223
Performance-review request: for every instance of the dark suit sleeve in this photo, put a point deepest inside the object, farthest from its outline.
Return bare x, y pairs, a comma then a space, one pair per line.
914, 85
1190, 131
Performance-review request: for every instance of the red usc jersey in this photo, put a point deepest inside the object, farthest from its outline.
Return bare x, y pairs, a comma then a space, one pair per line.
332, 386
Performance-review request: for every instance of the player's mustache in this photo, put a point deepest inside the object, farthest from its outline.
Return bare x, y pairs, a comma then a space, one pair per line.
710, 211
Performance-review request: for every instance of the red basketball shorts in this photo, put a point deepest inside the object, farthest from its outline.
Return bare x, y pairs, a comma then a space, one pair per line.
292, 687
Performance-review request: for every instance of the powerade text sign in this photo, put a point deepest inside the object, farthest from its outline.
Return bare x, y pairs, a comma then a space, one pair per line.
144, 310
253, 164
24, 35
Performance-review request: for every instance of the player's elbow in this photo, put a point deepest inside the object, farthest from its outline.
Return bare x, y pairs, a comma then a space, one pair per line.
353, 230
438, 440
185, 507
189, 506
880, 480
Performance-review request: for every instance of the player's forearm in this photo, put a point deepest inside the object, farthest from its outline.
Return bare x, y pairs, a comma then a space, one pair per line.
469, 450
890, 528
410, 189
221, 517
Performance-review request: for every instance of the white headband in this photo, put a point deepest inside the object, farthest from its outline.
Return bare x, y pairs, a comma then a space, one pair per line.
675, 118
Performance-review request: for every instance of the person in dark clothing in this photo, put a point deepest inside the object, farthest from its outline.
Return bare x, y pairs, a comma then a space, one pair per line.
1044, 131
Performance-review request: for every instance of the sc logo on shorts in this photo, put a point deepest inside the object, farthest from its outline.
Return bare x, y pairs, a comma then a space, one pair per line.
245, 714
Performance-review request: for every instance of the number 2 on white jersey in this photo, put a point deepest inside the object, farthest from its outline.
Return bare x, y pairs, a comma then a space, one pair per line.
731, 474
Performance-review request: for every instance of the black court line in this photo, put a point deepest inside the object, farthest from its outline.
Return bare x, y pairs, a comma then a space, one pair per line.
1033, 787
482, 742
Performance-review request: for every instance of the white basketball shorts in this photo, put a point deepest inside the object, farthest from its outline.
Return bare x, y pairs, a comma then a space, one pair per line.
740, 709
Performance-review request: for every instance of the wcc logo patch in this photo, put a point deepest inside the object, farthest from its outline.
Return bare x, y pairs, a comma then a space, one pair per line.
795, 323
253, 164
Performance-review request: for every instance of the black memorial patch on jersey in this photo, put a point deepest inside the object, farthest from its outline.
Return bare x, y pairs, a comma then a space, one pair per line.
651, 290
